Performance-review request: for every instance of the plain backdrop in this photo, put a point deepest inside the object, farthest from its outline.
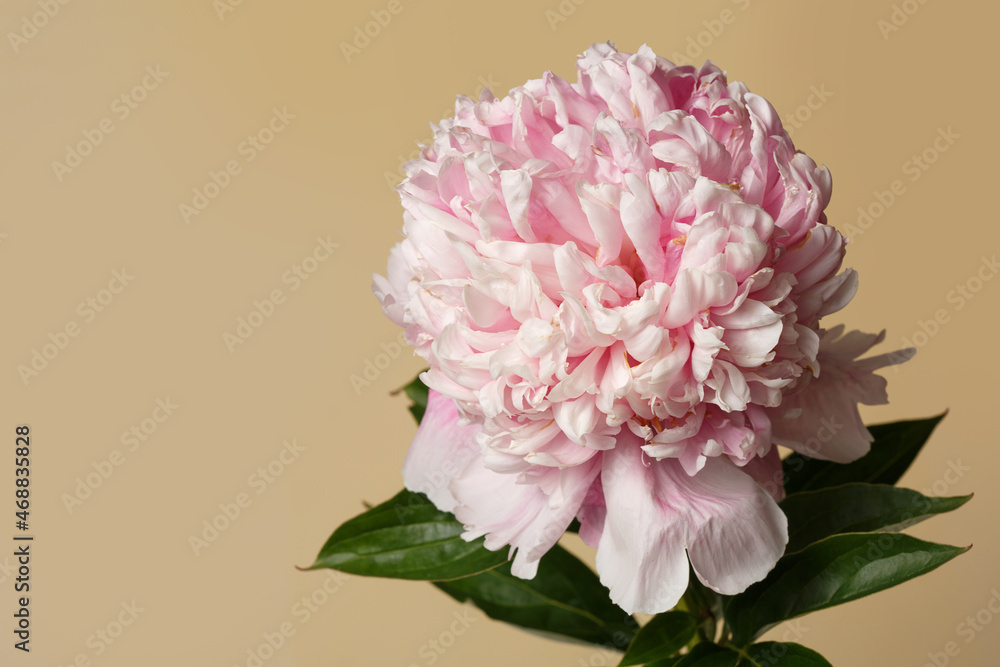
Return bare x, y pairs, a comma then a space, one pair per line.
165, 168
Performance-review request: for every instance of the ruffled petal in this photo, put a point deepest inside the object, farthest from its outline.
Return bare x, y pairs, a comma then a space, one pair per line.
617, 286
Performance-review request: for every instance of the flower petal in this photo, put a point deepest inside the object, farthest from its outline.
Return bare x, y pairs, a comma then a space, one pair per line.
738, 532
441, 449
509, 509
821, 418
732, 529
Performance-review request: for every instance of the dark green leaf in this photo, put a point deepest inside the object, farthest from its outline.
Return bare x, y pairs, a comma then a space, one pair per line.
666, 662
892, 452
830, 572
709, 655
857, 508
765, 654
417, 392
705, 603
406, 538
565, 598
664, 635
781, 654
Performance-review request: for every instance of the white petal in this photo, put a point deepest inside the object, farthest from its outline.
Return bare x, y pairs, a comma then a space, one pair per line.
640, 556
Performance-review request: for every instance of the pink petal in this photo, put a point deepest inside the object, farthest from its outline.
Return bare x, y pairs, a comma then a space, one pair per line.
738, 531
521, 514
441, 449
732, 529
821, 419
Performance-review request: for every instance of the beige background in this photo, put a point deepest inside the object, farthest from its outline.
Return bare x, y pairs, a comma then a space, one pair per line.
325, 175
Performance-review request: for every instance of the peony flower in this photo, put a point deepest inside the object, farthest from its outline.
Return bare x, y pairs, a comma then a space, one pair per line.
618, 286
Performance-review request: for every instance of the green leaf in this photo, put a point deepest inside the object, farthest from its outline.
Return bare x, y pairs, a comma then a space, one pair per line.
406, 537
417, 392
709, 655
664, 635
830, 572
765, 654
565, 598
666, 662
857, 508
892, 452
781, 654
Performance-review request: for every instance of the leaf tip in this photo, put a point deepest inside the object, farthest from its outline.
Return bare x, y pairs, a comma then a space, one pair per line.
938, 418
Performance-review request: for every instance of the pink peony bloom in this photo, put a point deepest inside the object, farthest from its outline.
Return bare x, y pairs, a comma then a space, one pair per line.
617, 285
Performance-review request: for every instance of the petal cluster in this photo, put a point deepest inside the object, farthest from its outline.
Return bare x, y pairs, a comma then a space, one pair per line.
617, 284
